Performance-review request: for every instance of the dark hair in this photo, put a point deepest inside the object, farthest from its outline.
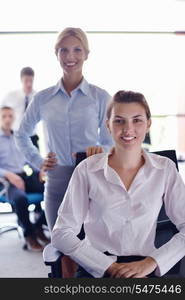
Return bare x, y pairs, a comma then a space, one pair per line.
27, 71
6, 107
129, 97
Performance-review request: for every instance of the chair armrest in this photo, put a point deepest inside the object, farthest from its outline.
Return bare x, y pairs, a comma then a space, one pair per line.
166, 225
51, 255
182, 267
5, 184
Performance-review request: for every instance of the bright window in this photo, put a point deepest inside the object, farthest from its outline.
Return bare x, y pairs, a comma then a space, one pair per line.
131, 57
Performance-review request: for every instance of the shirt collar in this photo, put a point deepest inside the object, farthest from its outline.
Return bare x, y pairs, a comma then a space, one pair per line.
23, 94
56, 88
97, 162
100, 161
83, 86
2, 132
153, 160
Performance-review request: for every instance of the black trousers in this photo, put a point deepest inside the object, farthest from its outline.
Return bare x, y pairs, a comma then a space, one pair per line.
35, 139
82, 273
18, 200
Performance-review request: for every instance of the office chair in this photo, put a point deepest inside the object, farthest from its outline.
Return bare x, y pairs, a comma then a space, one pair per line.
33, 198
164, 232
3, 196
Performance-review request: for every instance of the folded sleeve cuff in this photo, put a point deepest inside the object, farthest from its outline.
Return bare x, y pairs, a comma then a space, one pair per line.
2, 172
37, 162
166, 257
92, 260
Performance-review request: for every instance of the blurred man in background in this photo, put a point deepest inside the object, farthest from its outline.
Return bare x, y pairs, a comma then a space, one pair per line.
12, 164
20, 99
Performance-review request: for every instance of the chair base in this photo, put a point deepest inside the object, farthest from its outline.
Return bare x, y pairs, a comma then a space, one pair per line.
9, 227
56, 270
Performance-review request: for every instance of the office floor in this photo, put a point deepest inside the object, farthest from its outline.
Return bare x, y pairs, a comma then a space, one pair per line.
16, 262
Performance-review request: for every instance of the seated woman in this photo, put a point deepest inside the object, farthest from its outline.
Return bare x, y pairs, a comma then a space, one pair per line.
118, 197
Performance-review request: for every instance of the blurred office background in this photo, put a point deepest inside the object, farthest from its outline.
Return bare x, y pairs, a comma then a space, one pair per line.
135, 45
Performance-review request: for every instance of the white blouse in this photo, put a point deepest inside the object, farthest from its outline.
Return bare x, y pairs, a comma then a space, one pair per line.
119, 221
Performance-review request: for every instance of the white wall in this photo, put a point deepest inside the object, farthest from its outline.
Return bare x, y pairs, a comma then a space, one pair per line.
153, 64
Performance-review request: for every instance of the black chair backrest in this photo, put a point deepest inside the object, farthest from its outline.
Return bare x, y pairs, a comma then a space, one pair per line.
163, 220
170, 154
167, 153
80, 156
165, 228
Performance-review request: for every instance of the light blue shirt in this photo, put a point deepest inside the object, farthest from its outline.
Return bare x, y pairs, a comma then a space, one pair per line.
73, 122
11, 158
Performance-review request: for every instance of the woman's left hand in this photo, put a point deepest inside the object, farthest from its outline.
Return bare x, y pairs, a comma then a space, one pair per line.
93, 150
136, 269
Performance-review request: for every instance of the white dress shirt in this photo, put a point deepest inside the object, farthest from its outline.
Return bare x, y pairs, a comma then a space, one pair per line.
11, 159
16, 100
119, 221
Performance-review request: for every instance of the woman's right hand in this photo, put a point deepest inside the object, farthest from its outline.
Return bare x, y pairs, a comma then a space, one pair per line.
49, 162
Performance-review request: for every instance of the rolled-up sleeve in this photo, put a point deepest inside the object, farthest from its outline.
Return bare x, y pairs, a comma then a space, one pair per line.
26, 129
3, 172
71, 216
174, 198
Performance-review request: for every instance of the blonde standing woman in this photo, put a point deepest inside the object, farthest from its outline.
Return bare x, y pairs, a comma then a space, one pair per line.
73, 112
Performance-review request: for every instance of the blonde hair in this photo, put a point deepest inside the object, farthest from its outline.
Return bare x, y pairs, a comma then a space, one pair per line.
76, 32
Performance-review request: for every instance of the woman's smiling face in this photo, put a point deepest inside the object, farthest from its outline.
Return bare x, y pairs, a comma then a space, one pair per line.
71, 54
128, 124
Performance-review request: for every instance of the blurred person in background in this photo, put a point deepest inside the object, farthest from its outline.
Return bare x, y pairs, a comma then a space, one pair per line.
19, 101
12, 164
